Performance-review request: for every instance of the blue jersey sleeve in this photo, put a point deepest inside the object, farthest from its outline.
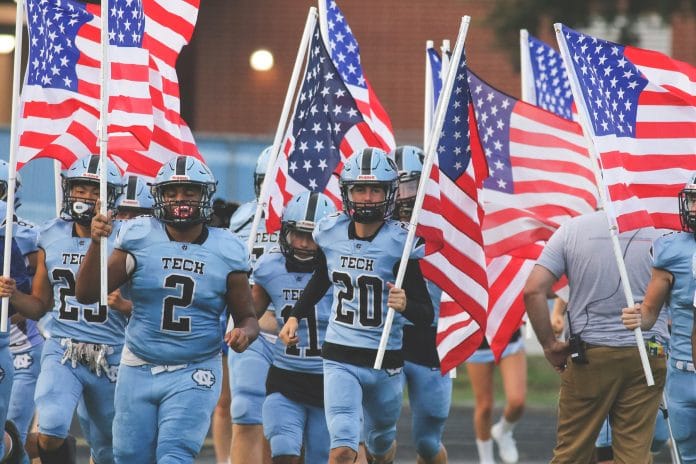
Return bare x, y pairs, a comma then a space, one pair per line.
267, 266
133, 234
323, 229
233, 251
51, 231
27, 236
665, 254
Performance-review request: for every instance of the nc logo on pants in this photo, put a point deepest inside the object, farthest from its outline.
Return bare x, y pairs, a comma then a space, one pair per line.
2, 374
204, 378
22, 361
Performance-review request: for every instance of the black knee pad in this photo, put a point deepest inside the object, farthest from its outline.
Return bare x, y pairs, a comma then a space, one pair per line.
64, 454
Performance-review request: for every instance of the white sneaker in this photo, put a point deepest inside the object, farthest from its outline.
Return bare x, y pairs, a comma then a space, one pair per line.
507, 447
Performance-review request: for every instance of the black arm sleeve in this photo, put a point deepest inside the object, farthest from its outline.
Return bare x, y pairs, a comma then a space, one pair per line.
314, 291
419, 306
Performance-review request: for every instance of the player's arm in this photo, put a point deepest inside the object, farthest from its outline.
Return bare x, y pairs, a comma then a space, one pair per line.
88, 275
36, 304
645, 314
417, 306
240, 302
32, 260
315, 290
261, 299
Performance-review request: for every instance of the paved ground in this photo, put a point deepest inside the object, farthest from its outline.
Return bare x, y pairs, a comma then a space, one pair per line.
535, 437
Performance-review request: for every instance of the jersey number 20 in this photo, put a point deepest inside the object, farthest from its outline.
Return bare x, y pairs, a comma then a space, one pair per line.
369, 291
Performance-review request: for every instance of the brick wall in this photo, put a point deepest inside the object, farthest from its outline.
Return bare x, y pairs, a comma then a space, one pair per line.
231, 97
223, 94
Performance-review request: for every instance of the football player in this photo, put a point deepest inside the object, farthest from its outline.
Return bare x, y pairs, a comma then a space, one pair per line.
672, 285
182, 274
363, 248
293, 412
80, 359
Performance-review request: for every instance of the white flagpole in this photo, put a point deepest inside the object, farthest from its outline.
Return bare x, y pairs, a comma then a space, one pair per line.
12, 168
444, 49
528, 96
528, 90
444, 53
601, 187
103, 143
280, 130
430, 153
429, 94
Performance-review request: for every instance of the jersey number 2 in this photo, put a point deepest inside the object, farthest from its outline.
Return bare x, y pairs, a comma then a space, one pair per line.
72, 313
186, 286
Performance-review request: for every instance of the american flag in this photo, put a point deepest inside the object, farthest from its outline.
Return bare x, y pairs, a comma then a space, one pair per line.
450, 223
540, 172
168, 28
435, 63
327, 127
60, 98
641, 109
549, 86
506, 277
345, 54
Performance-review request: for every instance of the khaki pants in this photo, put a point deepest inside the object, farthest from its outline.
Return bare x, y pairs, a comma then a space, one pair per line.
611, 384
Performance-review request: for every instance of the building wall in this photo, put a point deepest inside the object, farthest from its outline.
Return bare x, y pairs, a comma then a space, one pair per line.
231, 97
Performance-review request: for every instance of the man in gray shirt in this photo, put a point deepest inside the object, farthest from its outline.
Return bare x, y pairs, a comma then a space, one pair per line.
606, 376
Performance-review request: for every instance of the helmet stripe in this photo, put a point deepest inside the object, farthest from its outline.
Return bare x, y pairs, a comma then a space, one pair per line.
312, 207
366, 168
93, 167
131, 190
181, 166
399, 158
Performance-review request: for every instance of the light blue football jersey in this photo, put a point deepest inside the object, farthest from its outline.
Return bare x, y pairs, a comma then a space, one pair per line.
285, 288
359, 271
25, 336
675, 253
70, 319
240, 224
25, 234
178, 290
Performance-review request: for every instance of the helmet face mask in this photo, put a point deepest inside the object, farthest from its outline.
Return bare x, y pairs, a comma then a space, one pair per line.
687, 206
300, 216
369, 168
306, 257
182, 192
370, 212
79, 183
